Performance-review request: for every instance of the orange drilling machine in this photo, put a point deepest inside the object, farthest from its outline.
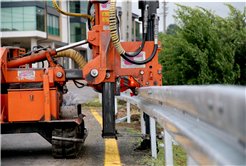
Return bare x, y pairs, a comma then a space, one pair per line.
31, 98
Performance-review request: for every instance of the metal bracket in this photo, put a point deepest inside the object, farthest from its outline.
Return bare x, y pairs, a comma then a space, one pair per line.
81, 140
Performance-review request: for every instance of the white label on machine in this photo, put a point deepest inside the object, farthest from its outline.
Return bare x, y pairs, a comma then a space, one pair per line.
139, 57
26, 74
105, 6
106, 27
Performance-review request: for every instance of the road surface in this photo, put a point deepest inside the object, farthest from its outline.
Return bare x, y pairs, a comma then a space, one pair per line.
32, 149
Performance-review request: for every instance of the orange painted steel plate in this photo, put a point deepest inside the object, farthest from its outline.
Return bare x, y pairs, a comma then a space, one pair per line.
24, 107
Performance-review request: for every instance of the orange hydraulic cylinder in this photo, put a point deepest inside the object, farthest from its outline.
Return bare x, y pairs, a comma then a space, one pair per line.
31, 58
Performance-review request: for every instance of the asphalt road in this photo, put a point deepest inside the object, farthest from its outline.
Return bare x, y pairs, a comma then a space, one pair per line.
32, 149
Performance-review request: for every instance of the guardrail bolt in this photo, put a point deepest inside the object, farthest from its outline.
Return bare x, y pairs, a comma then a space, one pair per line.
94, 72
210, 104
221, 108
147, 83
141, 72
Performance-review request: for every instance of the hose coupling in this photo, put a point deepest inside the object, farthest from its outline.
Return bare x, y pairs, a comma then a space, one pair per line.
156, 28
146, 12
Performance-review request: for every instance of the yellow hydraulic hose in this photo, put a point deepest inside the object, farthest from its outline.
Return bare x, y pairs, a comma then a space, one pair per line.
72, 14
70, 53
113, 28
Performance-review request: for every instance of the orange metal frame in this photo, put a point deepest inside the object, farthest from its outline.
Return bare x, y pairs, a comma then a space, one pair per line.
30, 104
107, 60
38, 104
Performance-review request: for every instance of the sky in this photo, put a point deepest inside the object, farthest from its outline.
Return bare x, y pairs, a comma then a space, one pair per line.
215, 5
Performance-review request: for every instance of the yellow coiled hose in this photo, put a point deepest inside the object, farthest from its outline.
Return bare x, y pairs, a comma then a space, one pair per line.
113, 28
72, 14
70, 53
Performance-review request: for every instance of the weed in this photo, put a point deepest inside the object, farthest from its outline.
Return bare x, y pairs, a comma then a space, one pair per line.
91, 104
179, 157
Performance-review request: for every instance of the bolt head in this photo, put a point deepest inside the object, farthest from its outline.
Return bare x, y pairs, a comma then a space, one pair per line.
159, 72
94, 72
147, 83
59, 74
141, 72
107, 75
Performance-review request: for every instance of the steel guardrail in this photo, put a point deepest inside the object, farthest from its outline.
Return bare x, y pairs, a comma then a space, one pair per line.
207, 121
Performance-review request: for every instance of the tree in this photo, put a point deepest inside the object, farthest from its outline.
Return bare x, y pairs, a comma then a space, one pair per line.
172, 29
207, 49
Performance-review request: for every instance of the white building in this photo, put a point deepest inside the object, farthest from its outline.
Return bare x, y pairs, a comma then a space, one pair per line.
27, 24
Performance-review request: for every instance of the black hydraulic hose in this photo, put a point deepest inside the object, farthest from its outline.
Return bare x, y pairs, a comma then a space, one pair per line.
88, 12
102, 1
114, 33
144, 61
140, 49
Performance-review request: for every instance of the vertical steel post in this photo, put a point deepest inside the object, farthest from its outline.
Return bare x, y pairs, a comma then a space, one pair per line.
100, 97
108, 110
128, 112
143, 127
168, 148
153, 137
127, 20
116, 106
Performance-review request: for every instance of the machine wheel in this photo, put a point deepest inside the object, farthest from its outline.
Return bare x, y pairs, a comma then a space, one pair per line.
67, 149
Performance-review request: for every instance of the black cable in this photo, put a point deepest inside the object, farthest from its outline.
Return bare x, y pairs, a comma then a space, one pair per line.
102, 1
76, 84
88, 12
144, 61
140, 49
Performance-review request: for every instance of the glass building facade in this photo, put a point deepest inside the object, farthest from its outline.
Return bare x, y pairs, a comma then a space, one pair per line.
17, 1
53, 25
78, 6
77, 25
22, 18
50, 3
77, 31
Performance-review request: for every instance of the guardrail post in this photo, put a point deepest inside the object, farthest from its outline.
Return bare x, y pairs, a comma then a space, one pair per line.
191, 161
115, 105
128, 112
168, 148
153, 137
100, 97
143, 127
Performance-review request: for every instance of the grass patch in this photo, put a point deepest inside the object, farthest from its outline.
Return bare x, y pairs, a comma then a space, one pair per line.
92, 104
132, 131
179, 157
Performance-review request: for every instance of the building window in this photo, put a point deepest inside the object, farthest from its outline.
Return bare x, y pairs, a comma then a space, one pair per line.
137, 25
50, 3
78, 6
22, 19
77, 31
53, 25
